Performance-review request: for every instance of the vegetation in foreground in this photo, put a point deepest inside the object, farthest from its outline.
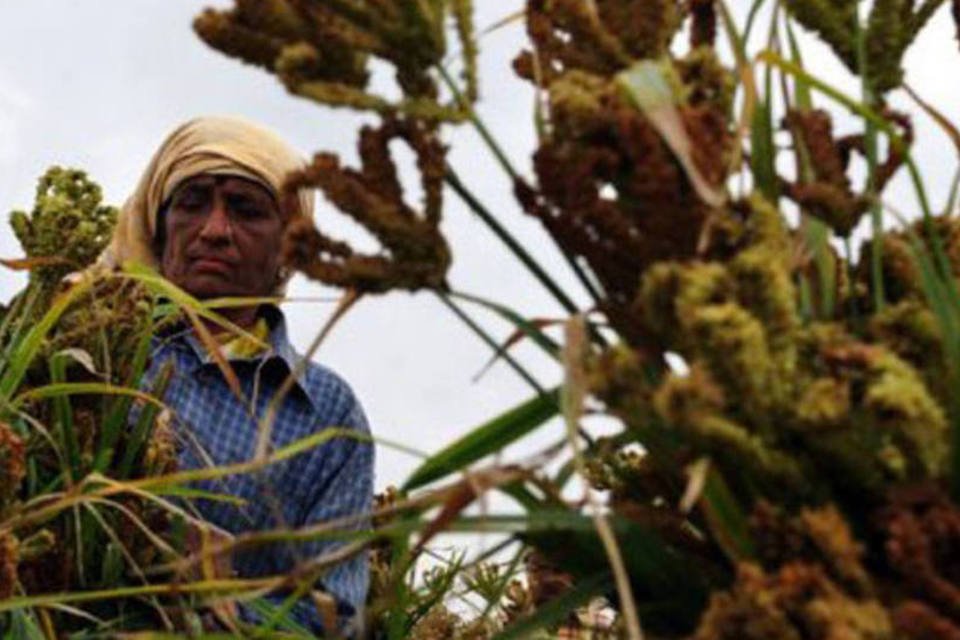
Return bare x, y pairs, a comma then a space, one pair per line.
796, 478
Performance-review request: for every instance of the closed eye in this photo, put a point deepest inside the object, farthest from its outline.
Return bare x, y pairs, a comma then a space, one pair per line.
192, 199
246, 207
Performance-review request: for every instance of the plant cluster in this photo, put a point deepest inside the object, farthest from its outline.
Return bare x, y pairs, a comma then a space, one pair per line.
816, 411
796, 477
73, 423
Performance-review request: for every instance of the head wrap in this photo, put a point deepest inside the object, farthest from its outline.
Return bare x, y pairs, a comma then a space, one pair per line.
209, 145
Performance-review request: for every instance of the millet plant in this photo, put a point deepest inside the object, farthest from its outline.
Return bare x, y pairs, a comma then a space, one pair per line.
797, 476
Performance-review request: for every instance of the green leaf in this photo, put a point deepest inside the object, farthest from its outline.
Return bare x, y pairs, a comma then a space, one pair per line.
725, 518
649, 84
529, 329
23, 626
24, 353
763, 152
557, 610
669, 585
487, 438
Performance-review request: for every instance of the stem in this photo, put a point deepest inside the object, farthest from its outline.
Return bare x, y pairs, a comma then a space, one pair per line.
870, 145
479, 125
509, 169
483, 335
500, 231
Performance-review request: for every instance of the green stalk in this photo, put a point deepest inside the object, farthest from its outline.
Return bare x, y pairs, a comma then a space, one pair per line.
870, 143
509, 169
504, 236
143, 430
64, 416
483, 335
478, 124
117, 417
751, 18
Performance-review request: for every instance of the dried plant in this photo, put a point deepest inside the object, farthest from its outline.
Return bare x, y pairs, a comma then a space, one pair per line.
890, 29
786, 460
414, 253
610, 190
322, 50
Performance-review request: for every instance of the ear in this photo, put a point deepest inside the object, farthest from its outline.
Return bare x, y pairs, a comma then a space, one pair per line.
283, 277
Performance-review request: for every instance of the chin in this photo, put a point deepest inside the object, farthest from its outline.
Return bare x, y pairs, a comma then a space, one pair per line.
205, 289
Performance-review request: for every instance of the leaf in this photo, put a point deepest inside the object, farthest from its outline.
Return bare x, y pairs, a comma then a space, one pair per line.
483, 335
459, 497
557, 609
512, 340
802, 94
763, 151
511, 18
696, 481
26, 264
942, 121
648, 86
82, 357
529, 328
725, 518
670, 586
62, 389
23, 354
489, 437
23, 626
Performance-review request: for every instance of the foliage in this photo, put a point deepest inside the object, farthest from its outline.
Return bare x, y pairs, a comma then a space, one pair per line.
797, 477
809, 401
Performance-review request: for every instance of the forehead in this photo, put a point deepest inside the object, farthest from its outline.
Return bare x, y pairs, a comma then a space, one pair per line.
227, 183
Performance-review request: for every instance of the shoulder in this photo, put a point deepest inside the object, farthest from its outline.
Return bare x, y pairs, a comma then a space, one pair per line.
333, 398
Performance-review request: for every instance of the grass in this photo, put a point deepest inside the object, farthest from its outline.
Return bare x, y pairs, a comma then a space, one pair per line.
668, 513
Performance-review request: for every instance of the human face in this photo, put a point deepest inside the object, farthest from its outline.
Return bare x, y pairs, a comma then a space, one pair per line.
222, 237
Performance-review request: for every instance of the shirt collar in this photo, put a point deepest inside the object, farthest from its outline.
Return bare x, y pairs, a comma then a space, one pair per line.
280, 350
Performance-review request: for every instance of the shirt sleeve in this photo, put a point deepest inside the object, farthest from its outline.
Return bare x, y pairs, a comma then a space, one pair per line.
346, 491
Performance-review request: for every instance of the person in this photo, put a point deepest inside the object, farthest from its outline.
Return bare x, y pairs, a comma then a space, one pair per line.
206, 214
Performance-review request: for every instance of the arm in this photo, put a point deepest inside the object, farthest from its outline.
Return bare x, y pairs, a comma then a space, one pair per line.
344, 470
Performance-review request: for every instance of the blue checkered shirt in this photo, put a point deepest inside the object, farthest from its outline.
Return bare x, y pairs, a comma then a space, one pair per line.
327, 482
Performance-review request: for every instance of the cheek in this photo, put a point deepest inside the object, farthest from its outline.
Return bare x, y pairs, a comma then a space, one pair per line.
172, 260
261, 253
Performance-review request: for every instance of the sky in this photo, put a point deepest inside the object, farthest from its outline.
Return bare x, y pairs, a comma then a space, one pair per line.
98, 85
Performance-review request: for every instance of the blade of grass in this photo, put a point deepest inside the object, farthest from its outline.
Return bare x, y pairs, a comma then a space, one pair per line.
515, 338
558, 608
63, 413
725, 518
747, 80
816, 234
509, 241
483, 335
937, 116
143, 429
117, 416
265, 424
489, 437
868, 97
27, 348
572, 400
751, 18
83, 388
529, 329
491, 142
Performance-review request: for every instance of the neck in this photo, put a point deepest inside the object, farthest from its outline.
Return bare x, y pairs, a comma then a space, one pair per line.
243, 317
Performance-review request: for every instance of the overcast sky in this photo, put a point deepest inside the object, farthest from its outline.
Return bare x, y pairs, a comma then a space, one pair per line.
98, 85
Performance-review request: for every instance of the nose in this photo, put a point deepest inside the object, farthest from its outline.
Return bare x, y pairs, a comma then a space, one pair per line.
217, 228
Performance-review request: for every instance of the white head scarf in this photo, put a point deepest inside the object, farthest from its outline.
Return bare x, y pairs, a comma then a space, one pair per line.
215, 145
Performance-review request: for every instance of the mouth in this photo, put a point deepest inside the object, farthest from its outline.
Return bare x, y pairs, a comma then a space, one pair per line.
212, 265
